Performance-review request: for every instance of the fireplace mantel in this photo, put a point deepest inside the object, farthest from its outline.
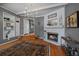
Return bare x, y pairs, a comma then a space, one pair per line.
60, 32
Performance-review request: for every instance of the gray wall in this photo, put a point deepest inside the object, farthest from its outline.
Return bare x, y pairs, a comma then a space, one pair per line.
1, 24
72, 32
70, 8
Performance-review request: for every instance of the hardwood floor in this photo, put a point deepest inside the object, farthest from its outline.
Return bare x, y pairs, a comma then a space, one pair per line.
54, 49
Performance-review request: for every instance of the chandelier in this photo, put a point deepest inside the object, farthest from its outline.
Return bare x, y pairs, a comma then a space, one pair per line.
29, 13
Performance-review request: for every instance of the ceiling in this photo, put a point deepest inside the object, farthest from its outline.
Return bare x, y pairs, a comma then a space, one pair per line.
20, 8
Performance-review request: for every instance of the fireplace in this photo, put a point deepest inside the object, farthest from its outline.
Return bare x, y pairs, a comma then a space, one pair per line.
53, 36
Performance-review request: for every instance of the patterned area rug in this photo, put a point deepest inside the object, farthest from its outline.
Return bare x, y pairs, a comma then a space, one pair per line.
26, 49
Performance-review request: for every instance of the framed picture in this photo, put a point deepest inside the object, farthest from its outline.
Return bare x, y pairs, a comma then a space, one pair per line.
52, 15
52, 20
72, 20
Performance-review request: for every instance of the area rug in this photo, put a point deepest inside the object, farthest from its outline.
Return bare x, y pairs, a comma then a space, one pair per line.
26, 49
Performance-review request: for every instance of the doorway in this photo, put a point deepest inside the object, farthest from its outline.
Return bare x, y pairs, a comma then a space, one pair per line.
39, 26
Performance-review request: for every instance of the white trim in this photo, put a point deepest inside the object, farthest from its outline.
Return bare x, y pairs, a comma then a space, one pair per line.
46, 7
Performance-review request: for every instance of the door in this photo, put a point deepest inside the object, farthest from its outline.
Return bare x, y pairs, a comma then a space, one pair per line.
31, 26
39, 26
17, 26
26, 26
